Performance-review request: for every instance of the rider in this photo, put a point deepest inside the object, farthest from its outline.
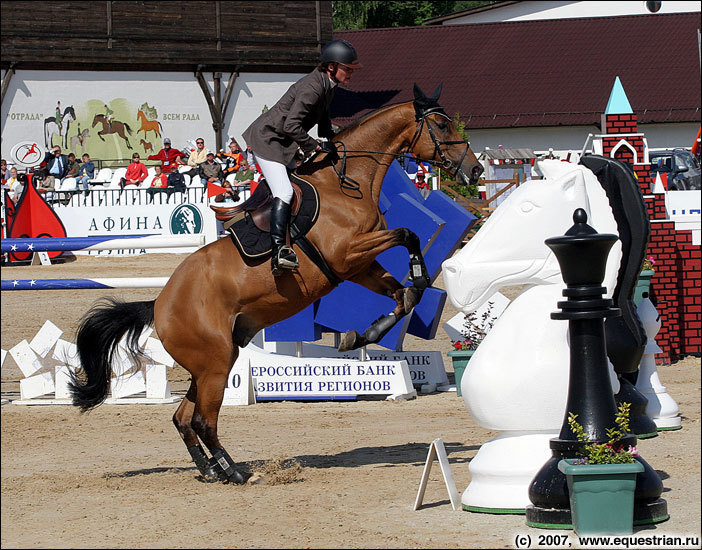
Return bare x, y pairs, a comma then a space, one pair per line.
59, 119
276, 135
109, 116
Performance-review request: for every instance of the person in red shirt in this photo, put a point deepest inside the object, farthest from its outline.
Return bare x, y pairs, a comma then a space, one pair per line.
421, 184
169, 157
136, 172
158, 185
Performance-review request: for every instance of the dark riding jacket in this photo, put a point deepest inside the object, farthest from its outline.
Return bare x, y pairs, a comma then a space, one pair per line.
277, 133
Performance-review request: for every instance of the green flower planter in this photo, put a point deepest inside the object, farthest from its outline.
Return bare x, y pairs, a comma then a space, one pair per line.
601, 496
643, 285
460, 358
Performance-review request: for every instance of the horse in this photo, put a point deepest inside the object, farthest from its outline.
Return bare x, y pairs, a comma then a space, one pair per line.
79, 140
51, 127
146, 145
116, 127
216, 301
148, 125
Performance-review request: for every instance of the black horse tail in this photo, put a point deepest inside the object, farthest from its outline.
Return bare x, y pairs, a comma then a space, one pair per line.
100, 331
129, 130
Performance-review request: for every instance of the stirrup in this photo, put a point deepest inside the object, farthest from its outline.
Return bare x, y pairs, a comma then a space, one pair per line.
283, 260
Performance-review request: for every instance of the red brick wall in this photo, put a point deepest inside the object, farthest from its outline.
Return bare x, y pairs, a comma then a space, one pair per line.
676, 286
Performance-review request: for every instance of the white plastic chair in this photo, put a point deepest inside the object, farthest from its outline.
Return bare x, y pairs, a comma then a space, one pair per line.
118, 174
184, 168
195, 181
103, 176
68, 184
186, 177
151, 171
147, 182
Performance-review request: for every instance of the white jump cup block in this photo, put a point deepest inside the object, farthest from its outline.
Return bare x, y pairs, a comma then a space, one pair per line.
35, 386
155, 351
62, 378
125, 386
45, 339
157, 386
66, 353
25, 358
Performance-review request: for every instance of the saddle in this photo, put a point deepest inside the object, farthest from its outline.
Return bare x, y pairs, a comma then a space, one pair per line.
249, 223
258, 206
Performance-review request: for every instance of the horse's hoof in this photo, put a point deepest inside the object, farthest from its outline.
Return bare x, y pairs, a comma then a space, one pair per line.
239, 478
349, 341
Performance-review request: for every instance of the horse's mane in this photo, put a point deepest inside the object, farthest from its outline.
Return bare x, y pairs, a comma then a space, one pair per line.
365, 118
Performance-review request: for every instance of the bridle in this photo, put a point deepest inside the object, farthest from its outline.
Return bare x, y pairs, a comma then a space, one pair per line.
346, 183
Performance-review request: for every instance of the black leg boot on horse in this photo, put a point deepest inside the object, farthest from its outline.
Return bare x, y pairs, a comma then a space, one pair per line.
406, 297
283, 258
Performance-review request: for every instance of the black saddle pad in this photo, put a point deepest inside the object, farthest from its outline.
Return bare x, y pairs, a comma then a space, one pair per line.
256, 244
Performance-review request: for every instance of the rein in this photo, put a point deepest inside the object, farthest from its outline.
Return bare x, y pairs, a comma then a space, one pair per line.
347, 183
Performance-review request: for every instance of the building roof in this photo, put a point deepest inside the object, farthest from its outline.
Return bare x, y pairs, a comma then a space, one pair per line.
532, 73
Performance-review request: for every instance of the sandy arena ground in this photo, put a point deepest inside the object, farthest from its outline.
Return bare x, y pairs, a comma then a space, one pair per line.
338, 474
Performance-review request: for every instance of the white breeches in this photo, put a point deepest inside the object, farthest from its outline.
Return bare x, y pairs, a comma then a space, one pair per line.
277, 177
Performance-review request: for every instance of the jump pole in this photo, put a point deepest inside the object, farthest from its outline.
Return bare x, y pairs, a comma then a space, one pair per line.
102, 243
84, 284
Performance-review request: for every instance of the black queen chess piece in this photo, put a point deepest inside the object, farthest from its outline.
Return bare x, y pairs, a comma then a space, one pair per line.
582, 255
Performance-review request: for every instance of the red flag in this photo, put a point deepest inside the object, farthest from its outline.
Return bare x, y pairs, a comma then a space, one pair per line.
34, 219
696, 145
664, 179
213, 189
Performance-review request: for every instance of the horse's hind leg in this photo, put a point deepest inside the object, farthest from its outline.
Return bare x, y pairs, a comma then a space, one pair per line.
182, 419
210, 393
380, 281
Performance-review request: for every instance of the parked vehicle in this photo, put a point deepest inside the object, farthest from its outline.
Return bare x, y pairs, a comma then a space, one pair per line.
681, 167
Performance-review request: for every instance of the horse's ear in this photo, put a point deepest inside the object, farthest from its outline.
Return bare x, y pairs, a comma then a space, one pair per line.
437, 93
418, 93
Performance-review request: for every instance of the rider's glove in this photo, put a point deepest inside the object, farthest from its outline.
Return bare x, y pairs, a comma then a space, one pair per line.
330, 148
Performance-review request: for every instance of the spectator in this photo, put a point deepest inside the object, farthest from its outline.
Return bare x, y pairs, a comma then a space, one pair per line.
232, 158
169, 157
87, 172
250, 158
210, 171
197, 157
421, 184
73, 166
158, 185
231, 195
136, 172
15, 185
56, 168
5, 172
245, 175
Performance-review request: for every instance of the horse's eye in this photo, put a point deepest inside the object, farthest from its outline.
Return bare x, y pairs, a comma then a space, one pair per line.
442, 126
527, 206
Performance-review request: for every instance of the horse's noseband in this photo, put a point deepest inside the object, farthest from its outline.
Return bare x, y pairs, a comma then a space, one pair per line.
448, 164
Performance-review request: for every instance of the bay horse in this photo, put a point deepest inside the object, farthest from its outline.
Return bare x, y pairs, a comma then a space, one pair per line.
116, 127
148, 125
216, 301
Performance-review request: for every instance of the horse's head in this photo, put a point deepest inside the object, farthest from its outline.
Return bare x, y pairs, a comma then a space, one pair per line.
436, 138
70, 112
509, 248
97, 118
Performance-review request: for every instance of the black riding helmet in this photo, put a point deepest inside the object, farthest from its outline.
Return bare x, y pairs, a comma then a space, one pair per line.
340, 51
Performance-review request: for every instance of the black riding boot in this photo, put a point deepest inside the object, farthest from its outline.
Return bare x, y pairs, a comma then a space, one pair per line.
283, 256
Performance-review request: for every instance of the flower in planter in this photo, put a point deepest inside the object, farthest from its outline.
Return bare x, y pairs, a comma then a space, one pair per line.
474, 330
611, 452
648, 264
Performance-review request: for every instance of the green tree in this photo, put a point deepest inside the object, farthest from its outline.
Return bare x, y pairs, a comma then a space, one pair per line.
373, 14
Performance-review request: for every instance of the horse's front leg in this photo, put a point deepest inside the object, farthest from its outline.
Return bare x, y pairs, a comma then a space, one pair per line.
380, 281
377, 279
